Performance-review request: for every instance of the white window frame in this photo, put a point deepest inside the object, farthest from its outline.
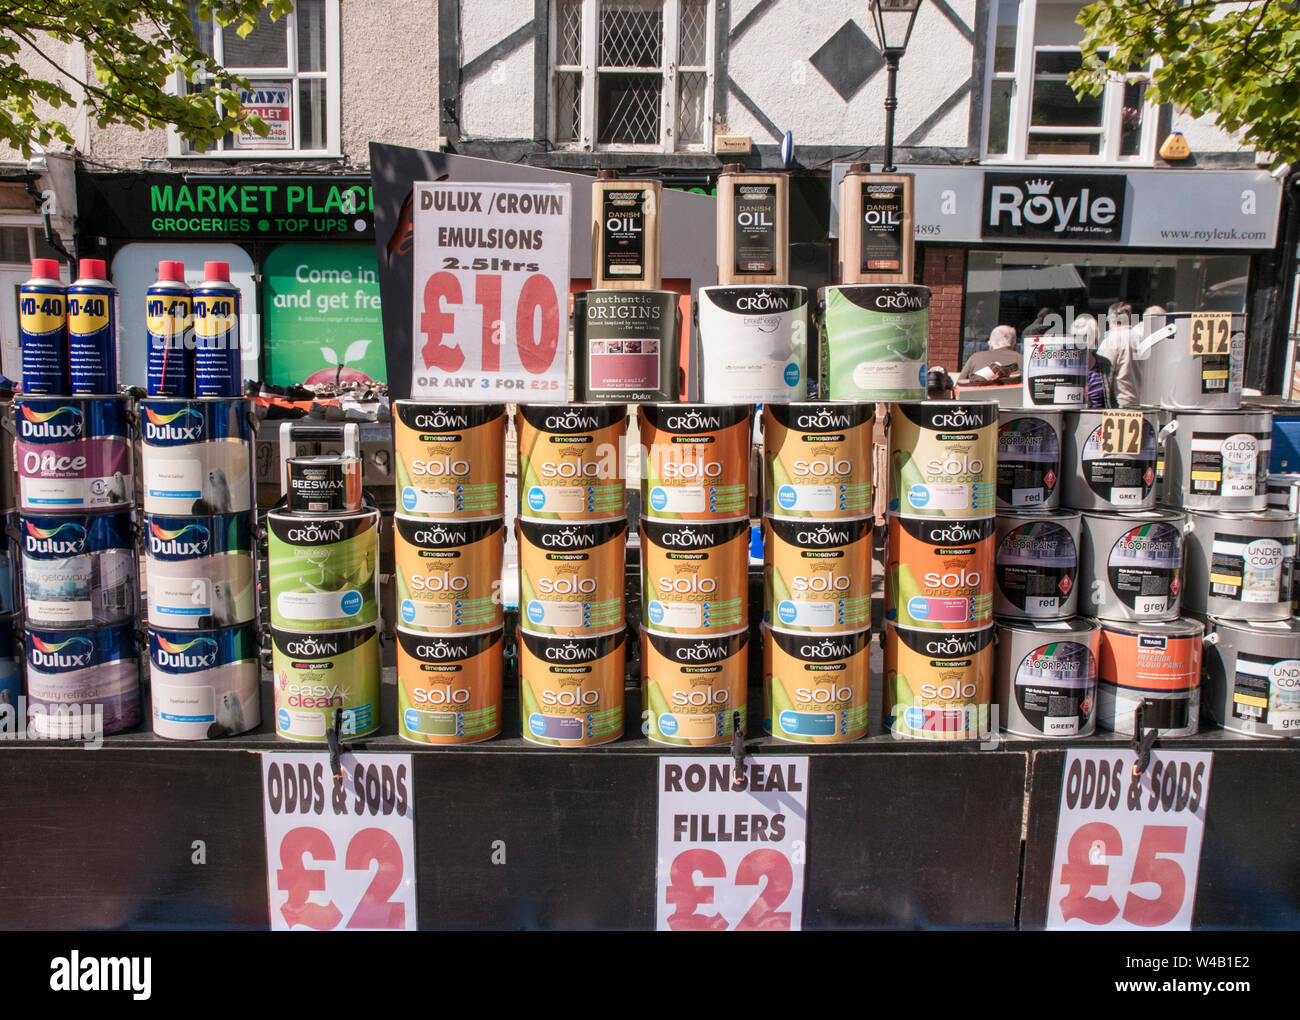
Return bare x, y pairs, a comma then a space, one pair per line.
668, 90
177, 146
1019, 128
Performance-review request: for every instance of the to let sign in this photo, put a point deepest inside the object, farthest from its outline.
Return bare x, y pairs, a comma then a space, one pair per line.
491, 285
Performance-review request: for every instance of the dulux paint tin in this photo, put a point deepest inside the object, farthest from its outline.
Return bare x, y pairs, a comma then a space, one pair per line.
316, 673
74, 677
938, 685
818, 460
1239, 566
695, 461
1131, 565
1036, 566
626, 346
1156, 662
449, 686
1047, 677
692, 686
1029, 459
450, 459
448, 574
79, 570
323, 570
571, 577
1194, 361
571, 688
43, 330
572, 463
1217, 460
196, 457
1055, 372
873, 340
939, 573
693, 576
1108, 460
815, 686
72, 454
754, 343
206, 685
943, 458
218, 354
817, 574
326, 484
199, 571
1251, 676
92, 331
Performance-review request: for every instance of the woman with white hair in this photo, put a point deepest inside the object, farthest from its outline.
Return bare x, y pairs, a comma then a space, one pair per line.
1087, 329
998, 365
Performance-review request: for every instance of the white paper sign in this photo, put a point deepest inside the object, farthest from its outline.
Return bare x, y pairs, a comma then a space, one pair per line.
491, 292
731, 860
340, 854
1128, 848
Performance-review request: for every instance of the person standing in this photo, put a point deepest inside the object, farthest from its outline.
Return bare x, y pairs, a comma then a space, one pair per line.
1118, 347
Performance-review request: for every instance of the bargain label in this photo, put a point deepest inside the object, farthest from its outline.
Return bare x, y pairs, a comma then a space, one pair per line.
491, 268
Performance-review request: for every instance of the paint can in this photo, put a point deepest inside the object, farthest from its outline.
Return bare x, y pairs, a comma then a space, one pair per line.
1284, 491
943, 458
72, 454
626, 346
199, 571
938, 685
815, 686
1036, 566
1239, 566
1029, 459
693, 576
571, 577
319, 672
939, 573
450, 459
92, 331
11, 665
449, 686
322, 570
196, 457
571, 461
1195, 360
218, 364
205, 686
1251, 676
873, 341
1131, 565
169, 333
571, 688
1108, 460
695, 460
82, 684
329, 484
754, 342
1047, 677
1156, 662
1217, 460
448, 574
692, 686
818, 460
1055, 372
817, 574
43, 330
79, 570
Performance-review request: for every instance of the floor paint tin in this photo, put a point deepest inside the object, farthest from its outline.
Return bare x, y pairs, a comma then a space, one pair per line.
693, 576
572, 464
1108, 460
1131, 565
1239, 566
571, 689
815, 686
817, 574
199, 571
79, 570
82, 684
938, 686
72, 454
818, 460
943, 458
204, 686
1036, 566
695, 461
449, 686
1047, 677
196, 456
939, 573
1159, 662
1055, 372
1251, 677
448, 574
450, 459
1029, 459
1217, 460
314, 674
323, 570
571, 577
754, 342
692, 685
873, 341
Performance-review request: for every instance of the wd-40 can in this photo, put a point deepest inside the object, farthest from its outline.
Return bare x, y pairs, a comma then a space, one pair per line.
92, 331
43, 330
169, 332
218, 371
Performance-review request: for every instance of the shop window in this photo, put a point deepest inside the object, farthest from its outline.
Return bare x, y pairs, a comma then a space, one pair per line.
1034, 115
632, 74
292, 66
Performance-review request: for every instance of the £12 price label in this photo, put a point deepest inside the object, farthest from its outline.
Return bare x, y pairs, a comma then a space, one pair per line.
340, 852
1128, 848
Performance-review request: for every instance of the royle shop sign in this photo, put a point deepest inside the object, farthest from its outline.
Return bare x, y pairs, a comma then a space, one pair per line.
1033, 205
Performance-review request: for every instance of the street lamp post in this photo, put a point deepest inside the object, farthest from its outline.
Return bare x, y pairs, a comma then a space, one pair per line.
892, 21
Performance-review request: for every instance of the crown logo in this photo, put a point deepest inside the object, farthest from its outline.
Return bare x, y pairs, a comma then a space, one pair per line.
762, 295
1042, 186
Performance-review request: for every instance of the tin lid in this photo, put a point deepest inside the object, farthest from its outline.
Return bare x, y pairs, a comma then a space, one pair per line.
172, 272
218, 272
1181, 627
859, 168
46, 269
92, 269
1255, 628
1072, 625
1245, 517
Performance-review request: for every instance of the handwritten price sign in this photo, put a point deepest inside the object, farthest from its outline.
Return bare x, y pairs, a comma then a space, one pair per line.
729, 859
340, 853
491, 290
1128, 848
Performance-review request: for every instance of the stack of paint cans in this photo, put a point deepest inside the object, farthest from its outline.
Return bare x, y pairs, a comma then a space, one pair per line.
323, 565
196, 458
75, 494
572, 532
817, 532
449, 543
939, 569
